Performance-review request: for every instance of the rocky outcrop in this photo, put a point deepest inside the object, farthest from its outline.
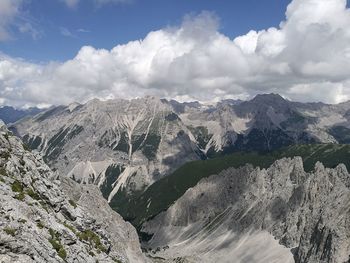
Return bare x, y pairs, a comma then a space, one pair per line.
45, 220
279, 214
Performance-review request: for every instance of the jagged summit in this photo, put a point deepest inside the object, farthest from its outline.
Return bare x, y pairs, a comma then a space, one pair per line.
271, 97
265, 101
279, 214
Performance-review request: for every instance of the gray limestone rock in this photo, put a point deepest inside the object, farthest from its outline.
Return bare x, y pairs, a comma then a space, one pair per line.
46, 220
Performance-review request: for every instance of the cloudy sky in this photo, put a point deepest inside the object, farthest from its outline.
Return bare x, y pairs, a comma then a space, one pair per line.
60, 51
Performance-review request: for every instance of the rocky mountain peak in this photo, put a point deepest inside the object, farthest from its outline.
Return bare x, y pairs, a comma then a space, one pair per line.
268, 98
262, 102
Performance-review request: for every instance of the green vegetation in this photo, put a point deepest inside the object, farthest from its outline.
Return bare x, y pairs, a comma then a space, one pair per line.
40, 225
341, 134
44, 205
295, 118
93, 239
112, 173
172, 117
26, 147
262, 141
56, 243
72, 203
47, 114
123, 144
22, 221
158, 197
57, 141
10, 231
137, 141
20, 196
106, 138
62, 253
33, 194
88, 236
71, 228
32, 142
201, 134
5, 155
150, 146
3, 171
17, 186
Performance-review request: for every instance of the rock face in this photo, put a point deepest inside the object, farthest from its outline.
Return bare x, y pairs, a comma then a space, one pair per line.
281, 214
265, 123
45, 220
111, 144
122, 144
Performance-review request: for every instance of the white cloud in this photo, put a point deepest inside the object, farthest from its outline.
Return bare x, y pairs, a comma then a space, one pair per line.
102, 2
306, 58
14, 19
27, 27
74, 3
82, 30
66, 32
71, 3
9, 9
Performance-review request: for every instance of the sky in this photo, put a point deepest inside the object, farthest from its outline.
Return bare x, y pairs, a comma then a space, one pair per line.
62, 51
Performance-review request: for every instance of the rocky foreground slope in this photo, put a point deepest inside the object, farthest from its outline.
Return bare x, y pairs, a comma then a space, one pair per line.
279, 214
45, 220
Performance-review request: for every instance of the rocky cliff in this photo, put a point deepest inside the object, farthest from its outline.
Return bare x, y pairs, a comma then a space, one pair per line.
45, 220
279, 214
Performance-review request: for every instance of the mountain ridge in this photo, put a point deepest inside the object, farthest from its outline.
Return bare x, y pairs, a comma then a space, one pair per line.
130, 144
10, 114
228, 215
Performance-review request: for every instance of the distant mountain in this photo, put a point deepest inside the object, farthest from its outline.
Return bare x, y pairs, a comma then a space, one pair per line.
113, 144
126, 146
11, 115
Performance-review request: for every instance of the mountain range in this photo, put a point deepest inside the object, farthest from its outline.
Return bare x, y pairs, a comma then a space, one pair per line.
120, 144
11, 114
199, 180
